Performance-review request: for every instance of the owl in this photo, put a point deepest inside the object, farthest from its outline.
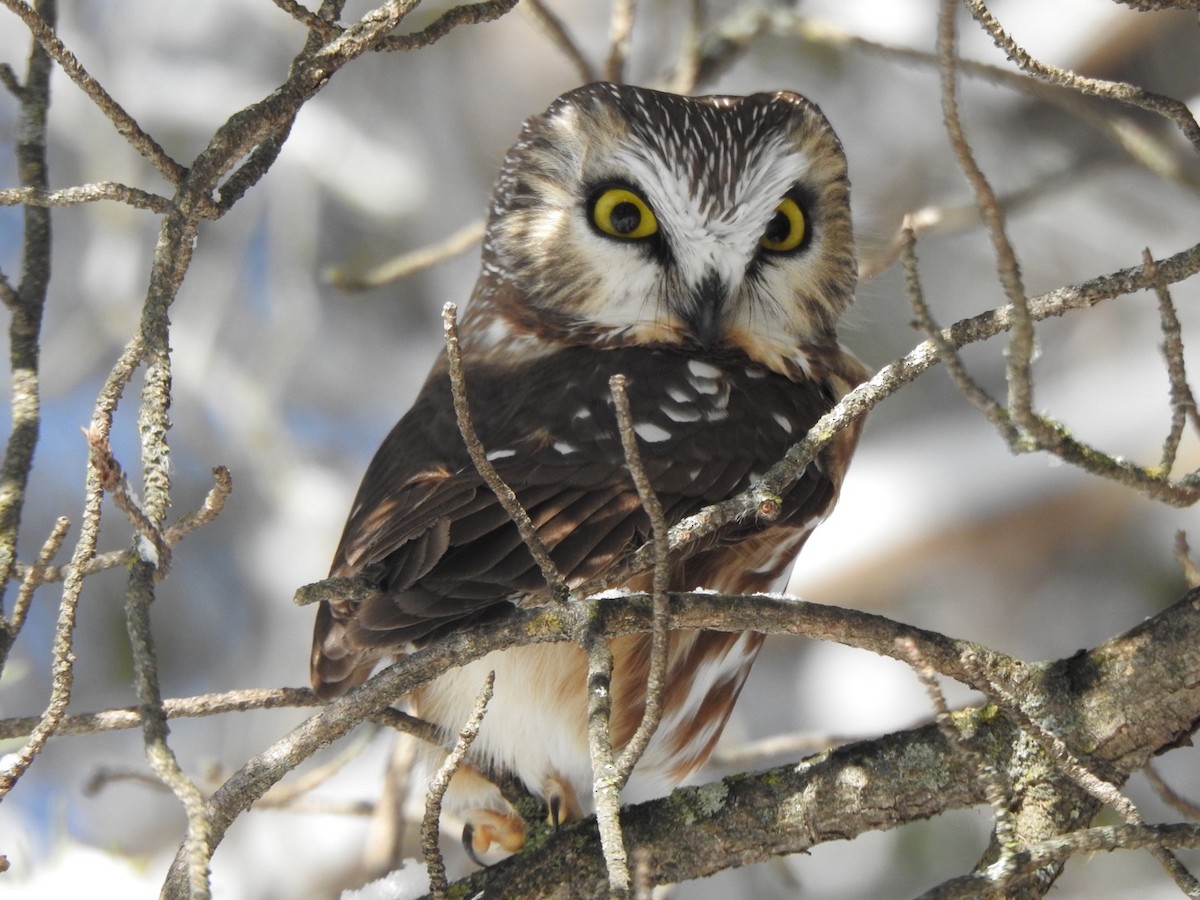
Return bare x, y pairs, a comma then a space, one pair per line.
700, 246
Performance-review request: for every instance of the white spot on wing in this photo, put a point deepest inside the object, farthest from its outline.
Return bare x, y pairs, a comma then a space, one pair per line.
682, 413
500, 454
703, 369
650, 432
783, 421
564, 447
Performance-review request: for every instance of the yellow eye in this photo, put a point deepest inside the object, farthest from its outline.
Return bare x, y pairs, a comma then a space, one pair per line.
787, 229
620, 213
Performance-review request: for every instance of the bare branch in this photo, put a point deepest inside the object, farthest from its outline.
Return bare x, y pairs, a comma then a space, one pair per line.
26, 304
1021, 339
656, 678
753, 753
214, 502
687, 70
955, 368
431, 823
466, 14
31, 580
325, 29
504, 494
114, 482
11, 82
1113, 90
606, 785
1169, 795
554, 28
1057, 850
995, 786
1183, 401
85, 193
407, 264
125, 124
1191, 570
1082, 774
619, 36
50, 720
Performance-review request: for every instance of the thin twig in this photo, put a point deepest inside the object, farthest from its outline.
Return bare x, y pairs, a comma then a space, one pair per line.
86, 193
162, 759
466, 14
656, 678
26, 303
389, 831
1183, 555
1020, 349
620, 33
212, 705
214, 502
324, 28
407, 264
125, 124
1057, 850
284, 795
995, 786
606, 785
33, 578
951, 360
11, 82
114, 482
431, 823
1183, 401
753, 754
504, 494
1169, 795
554, 28
62, 668
1075, 769
687, 69
1167, 107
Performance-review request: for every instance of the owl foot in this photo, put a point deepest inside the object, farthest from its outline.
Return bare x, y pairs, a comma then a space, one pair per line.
486, 827
562, 803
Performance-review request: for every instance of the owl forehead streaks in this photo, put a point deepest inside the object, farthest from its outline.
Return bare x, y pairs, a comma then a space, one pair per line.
713, 170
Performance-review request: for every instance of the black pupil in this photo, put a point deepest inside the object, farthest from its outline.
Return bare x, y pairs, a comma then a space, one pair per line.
625, 217
778, 228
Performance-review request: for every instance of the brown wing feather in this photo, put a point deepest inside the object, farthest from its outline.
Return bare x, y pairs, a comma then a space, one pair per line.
443, 552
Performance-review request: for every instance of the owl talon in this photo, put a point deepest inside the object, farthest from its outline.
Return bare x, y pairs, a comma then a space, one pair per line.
562, 803
468, 842
486, 827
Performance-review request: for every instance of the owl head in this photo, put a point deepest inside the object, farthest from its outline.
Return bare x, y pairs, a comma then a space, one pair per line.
625, 215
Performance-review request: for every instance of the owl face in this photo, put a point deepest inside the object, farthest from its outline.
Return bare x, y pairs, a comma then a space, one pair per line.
633, 216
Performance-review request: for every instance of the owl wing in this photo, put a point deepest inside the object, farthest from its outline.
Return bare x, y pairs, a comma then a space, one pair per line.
442, 552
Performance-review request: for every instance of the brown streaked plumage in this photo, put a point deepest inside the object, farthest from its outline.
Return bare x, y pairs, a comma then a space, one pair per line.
701, 247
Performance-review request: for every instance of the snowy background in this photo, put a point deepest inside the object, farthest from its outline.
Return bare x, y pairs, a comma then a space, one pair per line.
292, 383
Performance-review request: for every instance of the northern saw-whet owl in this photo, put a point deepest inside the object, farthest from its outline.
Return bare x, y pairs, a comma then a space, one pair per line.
700, 246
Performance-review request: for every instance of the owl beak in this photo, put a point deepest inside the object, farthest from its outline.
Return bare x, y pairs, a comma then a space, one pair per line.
705, 317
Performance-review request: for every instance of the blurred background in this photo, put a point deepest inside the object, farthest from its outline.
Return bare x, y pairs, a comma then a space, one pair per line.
291, 383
